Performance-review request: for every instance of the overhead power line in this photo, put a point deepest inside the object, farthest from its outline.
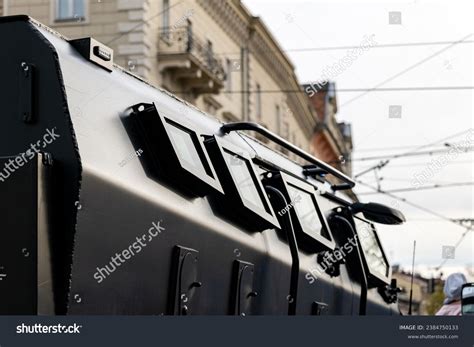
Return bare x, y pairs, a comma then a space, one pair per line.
371, 168
342, 90
380, 149
451, 220
387, 160
456, 245
394, 179
430, 144
442, 140
411, 152
335, 48
415, 154
417, 148
409, 68
417, 164
425, 219
404, 200
426, 187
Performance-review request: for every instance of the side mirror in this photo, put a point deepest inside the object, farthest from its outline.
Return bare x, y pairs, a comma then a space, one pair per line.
379, 213
467, 299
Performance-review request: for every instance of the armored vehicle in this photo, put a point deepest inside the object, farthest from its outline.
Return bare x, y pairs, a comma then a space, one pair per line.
119, 198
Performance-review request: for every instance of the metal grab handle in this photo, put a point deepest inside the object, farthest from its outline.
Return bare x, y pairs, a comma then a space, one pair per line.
229, 127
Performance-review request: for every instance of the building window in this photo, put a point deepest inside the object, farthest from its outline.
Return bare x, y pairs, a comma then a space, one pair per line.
278, 118
210, 55
282, 123
166, 20
70, 10
166, 14
294, 140
285, 128
258, 102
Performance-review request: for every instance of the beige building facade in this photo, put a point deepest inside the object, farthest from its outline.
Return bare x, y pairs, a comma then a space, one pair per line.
212, 53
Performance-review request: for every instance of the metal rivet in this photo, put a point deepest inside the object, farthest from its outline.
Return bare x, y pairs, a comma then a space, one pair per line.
78, 205
77, 298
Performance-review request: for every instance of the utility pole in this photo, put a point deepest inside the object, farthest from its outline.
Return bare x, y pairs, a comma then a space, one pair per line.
412, 275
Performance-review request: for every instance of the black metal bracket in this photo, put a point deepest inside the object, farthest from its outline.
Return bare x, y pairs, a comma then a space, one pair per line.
333, 269
237, 126
242, 288
319, 308
343, 186
390, 292
184, 274
95, 52
27, 275
26, 93
278, 198
314, 171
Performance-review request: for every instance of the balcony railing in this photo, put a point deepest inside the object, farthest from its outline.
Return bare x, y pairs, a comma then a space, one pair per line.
178, 43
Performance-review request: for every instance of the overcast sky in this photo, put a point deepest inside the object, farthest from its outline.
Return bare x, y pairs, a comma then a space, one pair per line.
426, 116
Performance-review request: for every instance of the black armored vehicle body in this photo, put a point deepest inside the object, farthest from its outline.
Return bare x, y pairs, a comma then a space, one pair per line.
119, 198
